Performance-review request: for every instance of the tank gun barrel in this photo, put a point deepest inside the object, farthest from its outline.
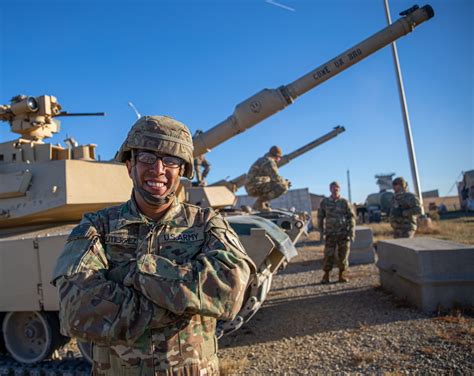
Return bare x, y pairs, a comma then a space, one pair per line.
239, 181
269, 101
319, 141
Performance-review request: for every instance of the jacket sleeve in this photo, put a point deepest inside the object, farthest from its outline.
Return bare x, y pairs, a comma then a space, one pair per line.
351, 221
94, 307
270, 168
321, 215
213, 284
411, 206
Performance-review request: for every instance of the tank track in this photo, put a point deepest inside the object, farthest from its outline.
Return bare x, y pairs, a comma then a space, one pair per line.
63, 367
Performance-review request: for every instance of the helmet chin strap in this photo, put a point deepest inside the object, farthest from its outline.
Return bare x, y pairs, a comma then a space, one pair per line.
147, 196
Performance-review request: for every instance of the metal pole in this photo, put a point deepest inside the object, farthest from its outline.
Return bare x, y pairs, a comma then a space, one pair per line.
349, 186
406, 118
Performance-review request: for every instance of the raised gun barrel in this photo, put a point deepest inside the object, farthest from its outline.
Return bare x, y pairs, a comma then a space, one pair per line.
269, 101
239, 181
319, 141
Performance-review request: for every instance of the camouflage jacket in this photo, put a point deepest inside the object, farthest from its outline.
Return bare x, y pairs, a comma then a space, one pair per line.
264, 170
148, 294
404, 208
339, 216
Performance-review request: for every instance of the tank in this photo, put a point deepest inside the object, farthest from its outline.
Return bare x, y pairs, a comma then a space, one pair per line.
45, 189
377, 205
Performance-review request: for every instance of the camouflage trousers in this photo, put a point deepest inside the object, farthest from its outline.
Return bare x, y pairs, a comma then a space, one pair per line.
336, 245
403, 233
106, 365
265, 192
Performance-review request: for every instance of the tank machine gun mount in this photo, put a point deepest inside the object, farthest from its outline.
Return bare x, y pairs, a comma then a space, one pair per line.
32, 117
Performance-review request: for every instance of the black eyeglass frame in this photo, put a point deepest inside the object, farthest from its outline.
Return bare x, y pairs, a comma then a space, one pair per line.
150, 158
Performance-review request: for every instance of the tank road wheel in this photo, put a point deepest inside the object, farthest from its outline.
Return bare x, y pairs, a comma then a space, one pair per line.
30, 337
86, 350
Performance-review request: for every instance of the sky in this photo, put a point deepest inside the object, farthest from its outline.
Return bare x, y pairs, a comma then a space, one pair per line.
196, 60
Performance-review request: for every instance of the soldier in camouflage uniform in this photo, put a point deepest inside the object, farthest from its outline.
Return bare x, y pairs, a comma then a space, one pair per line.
336, 223
145, 281
404, 208
263, 180
201, 166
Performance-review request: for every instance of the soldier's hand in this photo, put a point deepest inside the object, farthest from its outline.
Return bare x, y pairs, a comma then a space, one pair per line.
289, 184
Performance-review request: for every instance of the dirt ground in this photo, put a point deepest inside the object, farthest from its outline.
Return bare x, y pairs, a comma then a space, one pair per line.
305, 328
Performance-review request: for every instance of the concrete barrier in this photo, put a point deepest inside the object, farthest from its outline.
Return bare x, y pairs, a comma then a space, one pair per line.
362, 249
429, 273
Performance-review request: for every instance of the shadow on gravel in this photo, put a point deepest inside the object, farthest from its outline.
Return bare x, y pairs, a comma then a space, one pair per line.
321, 312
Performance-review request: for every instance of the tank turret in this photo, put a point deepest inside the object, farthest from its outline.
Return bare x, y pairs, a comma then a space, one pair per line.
44, 183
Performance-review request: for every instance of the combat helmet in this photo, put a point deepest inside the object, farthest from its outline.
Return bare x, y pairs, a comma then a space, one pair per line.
162, 134
275, 151
400, 180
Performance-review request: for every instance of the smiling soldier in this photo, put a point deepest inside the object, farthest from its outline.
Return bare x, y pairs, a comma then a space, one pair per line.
146, 281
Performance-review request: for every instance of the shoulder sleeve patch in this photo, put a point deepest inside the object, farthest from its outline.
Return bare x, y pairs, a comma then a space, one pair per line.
82, 231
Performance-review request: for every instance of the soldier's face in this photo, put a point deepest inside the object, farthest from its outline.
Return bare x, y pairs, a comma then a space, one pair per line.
335, 190
397, 187
155, 178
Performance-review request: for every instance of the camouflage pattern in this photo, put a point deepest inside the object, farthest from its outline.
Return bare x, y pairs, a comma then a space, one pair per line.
148, 294
341, 244
336, 220
263, 180
162, 134
202, 168
404, 208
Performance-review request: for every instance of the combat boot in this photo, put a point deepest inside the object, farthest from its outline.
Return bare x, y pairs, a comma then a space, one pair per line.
325, 279
343, 277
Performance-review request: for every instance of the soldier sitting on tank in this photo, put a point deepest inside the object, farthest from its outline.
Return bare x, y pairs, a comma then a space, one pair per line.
404, 208
201, 166
147, 280
263, 180
336, 224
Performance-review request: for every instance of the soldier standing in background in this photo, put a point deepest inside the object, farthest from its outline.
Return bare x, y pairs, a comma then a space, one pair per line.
336, 223
201, 166
147, 280
404, 208
264, 181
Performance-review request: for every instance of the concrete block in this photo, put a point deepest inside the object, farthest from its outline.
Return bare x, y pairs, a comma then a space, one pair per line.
429, 273
362, 249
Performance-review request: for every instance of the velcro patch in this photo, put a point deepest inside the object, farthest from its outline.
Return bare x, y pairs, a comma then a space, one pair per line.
82, 231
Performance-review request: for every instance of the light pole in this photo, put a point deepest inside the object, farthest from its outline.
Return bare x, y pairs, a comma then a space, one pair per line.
406, 118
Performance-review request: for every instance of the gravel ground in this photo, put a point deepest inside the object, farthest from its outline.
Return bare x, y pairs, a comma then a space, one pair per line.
305, 328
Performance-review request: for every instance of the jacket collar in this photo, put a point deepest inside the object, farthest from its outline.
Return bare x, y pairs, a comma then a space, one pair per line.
175, 216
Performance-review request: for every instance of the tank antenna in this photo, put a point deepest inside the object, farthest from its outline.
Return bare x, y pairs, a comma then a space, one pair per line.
130, 104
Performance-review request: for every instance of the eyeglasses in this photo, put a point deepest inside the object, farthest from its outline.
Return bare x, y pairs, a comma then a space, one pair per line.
151, 158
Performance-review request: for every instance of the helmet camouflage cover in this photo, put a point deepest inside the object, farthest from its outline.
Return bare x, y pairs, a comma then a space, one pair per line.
275, 151
161, 134
400, 180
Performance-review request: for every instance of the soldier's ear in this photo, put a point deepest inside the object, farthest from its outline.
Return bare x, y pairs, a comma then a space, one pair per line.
128, 163
181, 169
